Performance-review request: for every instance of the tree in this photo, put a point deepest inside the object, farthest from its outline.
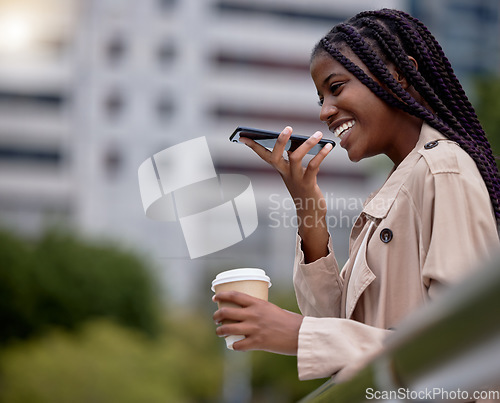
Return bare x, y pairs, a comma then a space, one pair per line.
63, 281
17, 301
105, 362
487, 107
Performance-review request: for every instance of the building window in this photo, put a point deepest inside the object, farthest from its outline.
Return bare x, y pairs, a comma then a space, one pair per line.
21, 100
271, 9
166, 53
273, 117
114, 104
166, 5
112, 161
165, 107
13, 153
116, 50
222, 59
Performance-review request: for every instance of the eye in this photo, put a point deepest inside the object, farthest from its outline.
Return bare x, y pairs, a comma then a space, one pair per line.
335, 88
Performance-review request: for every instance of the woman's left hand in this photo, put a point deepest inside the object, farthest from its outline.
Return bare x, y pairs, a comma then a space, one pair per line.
266, 326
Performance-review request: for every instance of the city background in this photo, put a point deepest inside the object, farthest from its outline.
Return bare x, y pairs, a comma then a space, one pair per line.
89, 89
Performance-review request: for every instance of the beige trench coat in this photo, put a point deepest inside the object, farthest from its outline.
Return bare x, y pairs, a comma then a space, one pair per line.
426, 228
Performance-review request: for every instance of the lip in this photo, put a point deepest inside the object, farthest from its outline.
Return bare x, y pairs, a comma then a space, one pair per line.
344, 138
335, 124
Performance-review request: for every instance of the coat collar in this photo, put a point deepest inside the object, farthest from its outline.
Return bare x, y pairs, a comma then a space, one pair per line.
379, 205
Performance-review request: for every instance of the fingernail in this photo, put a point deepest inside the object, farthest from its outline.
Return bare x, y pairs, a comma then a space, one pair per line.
317, 135
287, 130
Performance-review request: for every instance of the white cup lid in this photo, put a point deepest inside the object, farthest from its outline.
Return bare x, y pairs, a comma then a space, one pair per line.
230, 276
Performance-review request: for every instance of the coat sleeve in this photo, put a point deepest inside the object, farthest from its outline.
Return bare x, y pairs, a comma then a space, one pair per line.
328, 343
458, 229
461, 229
318, 285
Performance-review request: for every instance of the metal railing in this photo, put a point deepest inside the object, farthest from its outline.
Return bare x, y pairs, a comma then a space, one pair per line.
449, 348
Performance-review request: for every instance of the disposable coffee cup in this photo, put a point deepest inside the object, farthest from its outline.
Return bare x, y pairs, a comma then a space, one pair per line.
250, 281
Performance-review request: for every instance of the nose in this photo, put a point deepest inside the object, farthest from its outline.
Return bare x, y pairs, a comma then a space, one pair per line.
328, 110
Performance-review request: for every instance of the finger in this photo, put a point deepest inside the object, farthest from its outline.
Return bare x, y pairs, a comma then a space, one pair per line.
314, 164
235, 297
279, 147
259, 149
296, 157
229, 329
229, 313
242, 345
308, 145
250, 342
263, 152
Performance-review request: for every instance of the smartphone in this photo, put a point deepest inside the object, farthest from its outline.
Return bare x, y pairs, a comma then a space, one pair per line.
268, 139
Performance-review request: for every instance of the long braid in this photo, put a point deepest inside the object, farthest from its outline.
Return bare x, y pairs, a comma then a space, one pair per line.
380, 70
389, 35
439, 71
425, 90
441, 56
420, 41
394, 50
432, 66
363, 77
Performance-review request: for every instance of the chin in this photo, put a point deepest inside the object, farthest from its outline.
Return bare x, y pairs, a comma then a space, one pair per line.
354, 158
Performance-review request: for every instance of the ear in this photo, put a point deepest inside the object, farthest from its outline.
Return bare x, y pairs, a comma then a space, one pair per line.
399, 76
413, 61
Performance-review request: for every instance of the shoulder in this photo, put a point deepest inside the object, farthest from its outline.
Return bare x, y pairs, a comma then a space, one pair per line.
445, 168
443, 156
440, 155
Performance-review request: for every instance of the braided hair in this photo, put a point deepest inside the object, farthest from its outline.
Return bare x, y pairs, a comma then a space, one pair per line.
382, 36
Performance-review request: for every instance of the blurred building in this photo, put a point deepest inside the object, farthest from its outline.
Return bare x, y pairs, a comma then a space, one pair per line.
89, 89
154, 73
468, 31
36, 84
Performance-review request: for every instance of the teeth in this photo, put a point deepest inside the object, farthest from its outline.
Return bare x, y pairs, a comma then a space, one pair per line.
342, 128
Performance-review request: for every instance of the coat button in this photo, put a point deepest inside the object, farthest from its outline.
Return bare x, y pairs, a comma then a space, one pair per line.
431, 144
386, 235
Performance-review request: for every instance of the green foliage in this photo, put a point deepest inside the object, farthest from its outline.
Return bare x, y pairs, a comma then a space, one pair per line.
274, 377
63, 281
77, 318
488, 107
17, 300
104, 362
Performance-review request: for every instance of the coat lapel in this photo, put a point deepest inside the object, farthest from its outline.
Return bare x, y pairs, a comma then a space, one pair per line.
357, 275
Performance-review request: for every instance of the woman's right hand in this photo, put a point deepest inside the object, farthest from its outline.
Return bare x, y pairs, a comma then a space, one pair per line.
301, 182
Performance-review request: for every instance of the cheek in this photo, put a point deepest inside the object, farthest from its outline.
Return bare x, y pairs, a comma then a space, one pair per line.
358, 146
378, 109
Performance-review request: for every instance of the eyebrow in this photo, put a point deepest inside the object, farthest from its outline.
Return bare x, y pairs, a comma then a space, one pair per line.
329, 77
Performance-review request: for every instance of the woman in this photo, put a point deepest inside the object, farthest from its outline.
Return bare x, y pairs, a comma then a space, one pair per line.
385, 87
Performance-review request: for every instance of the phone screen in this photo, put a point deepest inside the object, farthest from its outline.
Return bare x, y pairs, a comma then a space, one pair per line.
268, 139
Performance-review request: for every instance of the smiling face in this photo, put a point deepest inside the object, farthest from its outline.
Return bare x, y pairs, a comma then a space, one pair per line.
365, 124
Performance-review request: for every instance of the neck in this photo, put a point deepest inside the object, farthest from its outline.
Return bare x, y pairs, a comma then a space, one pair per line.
410, 129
